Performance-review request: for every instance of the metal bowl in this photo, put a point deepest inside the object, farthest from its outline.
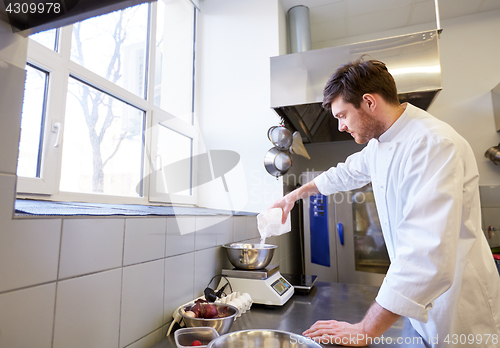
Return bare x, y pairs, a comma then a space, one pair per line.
249, 256
221, 325
263, 339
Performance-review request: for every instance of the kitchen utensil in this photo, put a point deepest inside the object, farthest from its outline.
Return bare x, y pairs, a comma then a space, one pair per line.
493, 153
277, 162
263, 339
221, 325
298, 146
280, 137
249, 256
185, 337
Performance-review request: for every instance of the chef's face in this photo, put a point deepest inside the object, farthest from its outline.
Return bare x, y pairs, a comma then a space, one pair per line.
357, 122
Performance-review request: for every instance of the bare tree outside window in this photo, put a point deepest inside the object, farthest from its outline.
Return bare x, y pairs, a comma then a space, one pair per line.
114, 47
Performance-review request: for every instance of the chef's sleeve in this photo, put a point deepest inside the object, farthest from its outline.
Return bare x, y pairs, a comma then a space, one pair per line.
423, 265
351, 174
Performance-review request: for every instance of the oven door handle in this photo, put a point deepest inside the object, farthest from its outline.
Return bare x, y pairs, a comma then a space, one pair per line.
340, 230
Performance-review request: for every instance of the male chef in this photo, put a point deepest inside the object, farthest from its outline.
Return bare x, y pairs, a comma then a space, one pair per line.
425, 181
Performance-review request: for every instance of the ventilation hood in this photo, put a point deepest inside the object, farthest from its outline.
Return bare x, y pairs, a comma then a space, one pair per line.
298, 79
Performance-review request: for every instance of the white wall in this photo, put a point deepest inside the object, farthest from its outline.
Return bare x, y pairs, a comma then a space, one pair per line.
235, 42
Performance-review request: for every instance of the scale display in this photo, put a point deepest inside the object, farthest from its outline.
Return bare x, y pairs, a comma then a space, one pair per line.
280, 286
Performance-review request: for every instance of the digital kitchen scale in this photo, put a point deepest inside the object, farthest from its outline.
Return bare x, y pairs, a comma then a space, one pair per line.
265, 286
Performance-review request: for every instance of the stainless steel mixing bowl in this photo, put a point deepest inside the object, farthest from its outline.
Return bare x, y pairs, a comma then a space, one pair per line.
263, 339
221, 325
250, 256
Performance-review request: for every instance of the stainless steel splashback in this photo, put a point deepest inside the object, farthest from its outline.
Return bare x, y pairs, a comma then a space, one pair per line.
297, 80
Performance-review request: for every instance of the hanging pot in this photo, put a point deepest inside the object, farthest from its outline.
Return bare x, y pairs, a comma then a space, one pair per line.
280, 137
277, 162
493, 153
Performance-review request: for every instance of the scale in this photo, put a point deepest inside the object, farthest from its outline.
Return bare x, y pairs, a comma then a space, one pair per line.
265, 286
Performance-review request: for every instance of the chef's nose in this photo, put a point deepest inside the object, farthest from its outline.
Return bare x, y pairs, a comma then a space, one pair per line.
342, 126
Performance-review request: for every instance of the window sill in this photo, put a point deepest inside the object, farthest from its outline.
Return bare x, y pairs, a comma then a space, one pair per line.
38, 208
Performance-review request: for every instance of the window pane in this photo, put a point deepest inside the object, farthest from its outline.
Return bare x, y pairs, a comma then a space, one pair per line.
102, 143
114, 47
174, 58
32, 123
174, 162
47, 38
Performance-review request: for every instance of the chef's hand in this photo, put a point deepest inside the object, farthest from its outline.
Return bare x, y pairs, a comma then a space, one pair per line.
286, 204
376, 321
337, 332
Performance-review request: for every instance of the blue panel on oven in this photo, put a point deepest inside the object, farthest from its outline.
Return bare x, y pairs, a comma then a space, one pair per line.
318, 220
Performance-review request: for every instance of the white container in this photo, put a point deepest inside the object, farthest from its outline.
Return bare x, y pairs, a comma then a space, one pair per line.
269, 223
185, 337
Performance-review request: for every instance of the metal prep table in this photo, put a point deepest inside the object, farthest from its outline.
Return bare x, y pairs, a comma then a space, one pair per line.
345, 302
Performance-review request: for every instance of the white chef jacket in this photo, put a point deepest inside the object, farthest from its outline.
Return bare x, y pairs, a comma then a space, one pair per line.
442, 274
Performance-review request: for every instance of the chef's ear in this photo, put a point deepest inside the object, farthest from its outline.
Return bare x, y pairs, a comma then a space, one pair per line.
370, 101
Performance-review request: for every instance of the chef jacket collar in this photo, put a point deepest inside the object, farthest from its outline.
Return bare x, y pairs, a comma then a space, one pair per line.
390, 134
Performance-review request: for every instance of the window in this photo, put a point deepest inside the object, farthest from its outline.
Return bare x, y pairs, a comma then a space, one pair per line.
106, 157
47, 38
32, 124
173, 87
114, 47
108, 112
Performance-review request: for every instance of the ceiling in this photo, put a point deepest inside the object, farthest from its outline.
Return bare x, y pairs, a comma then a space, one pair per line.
336, 19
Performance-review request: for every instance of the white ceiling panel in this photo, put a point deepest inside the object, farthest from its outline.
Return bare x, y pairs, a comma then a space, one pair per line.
360, 7
457, 8
372, 23
325, 31
327, 13
489, 5
423, 12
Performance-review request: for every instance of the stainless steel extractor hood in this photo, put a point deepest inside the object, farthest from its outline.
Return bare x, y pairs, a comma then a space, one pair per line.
298, 79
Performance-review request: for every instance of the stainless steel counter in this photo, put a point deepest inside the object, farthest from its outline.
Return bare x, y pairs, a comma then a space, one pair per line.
346, 302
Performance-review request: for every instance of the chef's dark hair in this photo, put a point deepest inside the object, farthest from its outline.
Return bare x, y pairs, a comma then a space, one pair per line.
354, 79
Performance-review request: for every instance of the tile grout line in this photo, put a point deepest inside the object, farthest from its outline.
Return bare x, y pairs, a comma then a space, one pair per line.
94, 272
121, 282
57, 284
164, 275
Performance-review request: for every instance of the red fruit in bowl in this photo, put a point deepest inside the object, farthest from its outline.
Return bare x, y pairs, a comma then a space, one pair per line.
196, 343
209, 311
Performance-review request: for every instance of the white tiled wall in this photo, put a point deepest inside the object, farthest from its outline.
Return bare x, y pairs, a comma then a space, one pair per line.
27, 317
90, 245
105, 282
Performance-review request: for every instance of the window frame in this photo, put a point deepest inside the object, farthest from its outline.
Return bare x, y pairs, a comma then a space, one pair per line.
60, 67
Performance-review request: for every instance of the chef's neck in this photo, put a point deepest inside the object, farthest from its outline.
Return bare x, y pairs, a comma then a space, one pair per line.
391, 113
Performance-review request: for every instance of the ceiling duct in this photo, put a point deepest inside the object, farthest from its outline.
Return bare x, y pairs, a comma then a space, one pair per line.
299, 29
